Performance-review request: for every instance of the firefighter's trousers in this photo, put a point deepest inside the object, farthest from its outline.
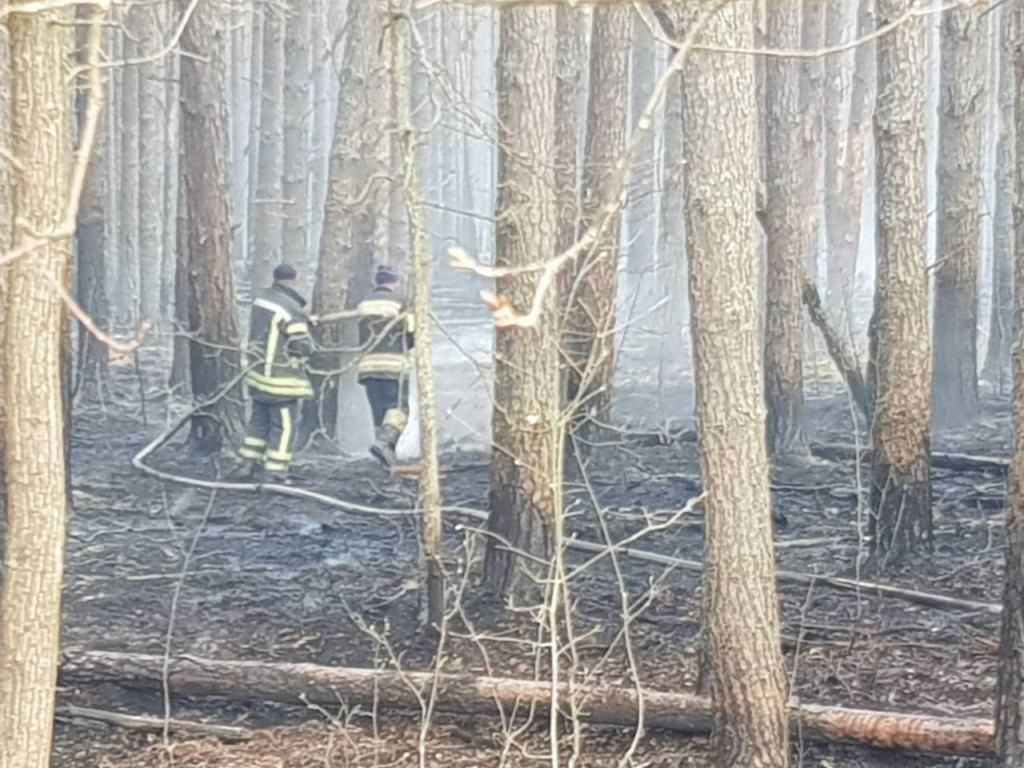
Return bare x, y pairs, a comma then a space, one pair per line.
389, 406
270, 435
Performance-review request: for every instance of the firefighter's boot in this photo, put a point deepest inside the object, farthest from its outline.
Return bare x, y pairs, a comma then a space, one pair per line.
383, 448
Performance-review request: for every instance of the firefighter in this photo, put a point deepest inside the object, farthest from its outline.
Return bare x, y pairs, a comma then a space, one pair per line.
386, 335
278, 347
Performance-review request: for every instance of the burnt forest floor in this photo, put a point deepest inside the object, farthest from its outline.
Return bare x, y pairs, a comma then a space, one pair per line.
281, 579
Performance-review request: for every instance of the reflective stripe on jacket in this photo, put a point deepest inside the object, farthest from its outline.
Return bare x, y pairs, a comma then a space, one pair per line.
386, 333
278, 345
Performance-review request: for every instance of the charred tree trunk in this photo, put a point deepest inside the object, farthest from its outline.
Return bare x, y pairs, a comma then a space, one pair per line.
265, 209
127, 297
1001, 328
33, 387
1010, 692
958, 220
526, 477
212, 314
589, 333
786, 228
356, 194
746, 673
901, 517
151, 164
297, 115
90, 249
846, 153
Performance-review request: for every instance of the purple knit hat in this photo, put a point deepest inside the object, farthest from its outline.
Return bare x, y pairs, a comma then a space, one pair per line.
385, 275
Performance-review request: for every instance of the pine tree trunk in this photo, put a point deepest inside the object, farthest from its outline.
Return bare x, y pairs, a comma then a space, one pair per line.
241, 133
962, 108
33, 391
1001, 328
265, 209
846, 153
812, 160
786, 229
572, 53
900, 471
244, 264
172, 150
526, 476
323, 69
746, 673
1010, 687
91, 244
212, 314
355, 197
112, 267
5, 209
589, 335
297, 115
127, 297
151, 164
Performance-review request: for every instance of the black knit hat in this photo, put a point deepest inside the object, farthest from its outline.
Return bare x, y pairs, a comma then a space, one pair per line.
284, 272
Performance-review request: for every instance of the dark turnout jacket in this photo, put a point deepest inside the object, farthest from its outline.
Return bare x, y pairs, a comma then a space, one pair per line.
386, 334
278, 347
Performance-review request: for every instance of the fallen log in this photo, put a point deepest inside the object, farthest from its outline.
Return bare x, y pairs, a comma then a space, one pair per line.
147, 724
469, 694
838, 349
957, 462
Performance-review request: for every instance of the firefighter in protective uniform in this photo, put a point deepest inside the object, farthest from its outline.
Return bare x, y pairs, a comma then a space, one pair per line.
278, 348
386, 334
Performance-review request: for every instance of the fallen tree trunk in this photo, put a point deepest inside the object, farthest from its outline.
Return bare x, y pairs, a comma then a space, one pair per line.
154, 724
958, 462
838, 349
469, 694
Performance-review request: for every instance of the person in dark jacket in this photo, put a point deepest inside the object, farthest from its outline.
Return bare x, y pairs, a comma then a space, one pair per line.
386, 335
278, 348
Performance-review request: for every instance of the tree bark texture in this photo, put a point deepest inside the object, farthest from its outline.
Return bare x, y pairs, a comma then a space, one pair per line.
33, 390
1001, 328
297, 116
495, 696
846, 157
172, 153
6, 205
239, 115
265, 208
212, 313
787, 220
570, 79
900, 479
129, 270
1010, 685
812, 92
151, 76
964, 61
526, 477
356, 198
747, 678
589, 333
90, 242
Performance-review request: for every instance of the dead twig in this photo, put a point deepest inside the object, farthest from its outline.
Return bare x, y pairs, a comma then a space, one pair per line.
153, 724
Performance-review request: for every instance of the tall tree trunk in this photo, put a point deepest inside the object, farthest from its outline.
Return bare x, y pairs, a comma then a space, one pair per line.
33, 390
526, 477
323, 75
1001, 328
958, 220
244, 265
297, 115
172, 150
1010, 688
640, 217
240, 114
846, 153
355, 197
570, 79
265, 209
746, 673
6, 205
900, 471
812, 160
151, 163
112, 267
787, 221
91, 244
589, 335
127, 297
212, 314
